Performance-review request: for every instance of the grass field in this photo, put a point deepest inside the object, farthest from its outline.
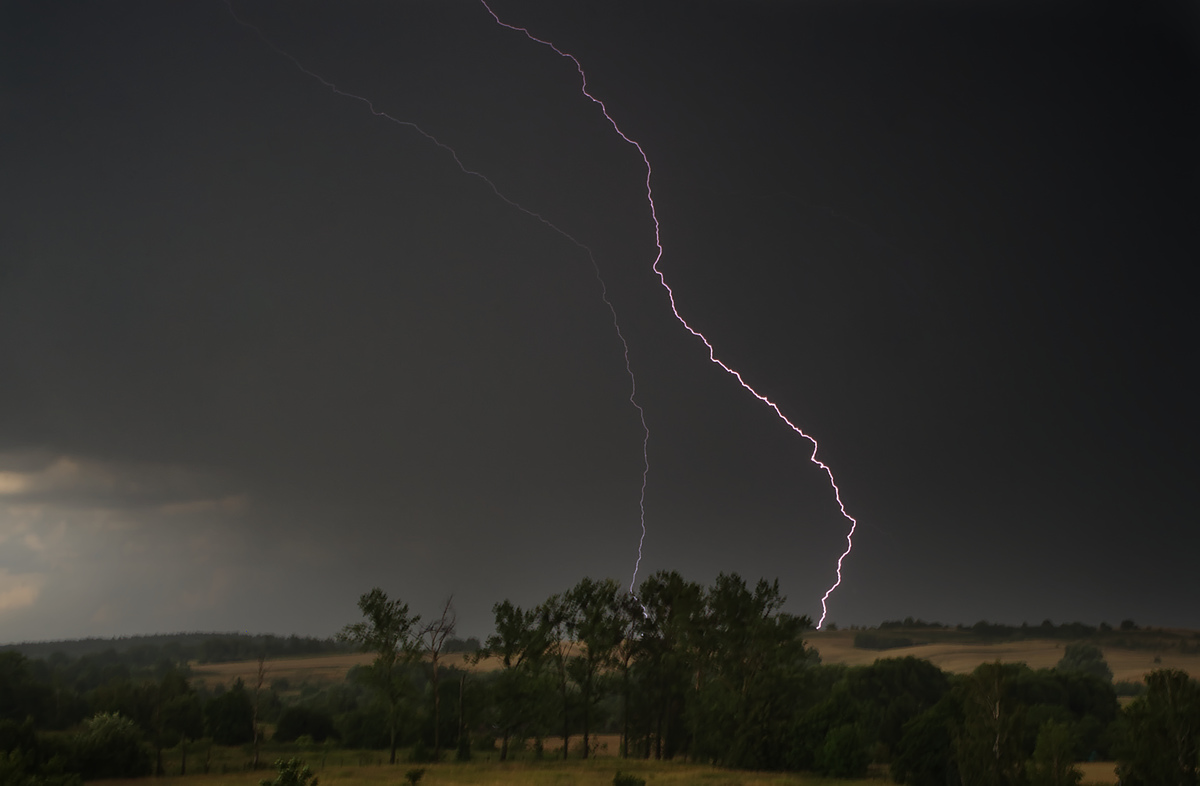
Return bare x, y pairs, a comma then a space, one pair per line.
548, 773
597, 772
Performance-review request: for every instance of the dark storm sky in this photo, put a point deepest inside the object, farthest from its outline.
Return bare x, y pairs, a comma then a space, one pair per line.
261, 350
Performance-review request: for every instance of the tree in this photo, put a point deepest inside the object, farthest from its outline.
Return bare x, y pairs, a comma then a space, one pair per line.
520, 642
177, 717
1085, 658
434, 636
387, 631
1053, 761
988, 747
111, 746
296, 722
599, 626
555, 618
925, 753
260, 678
230, 716
1160, 735
668, 630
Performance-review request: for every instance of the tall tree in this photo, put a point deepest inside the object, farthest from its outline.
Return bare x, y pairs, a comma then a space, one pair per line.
434, 637
557, 615
260, 678
520, 643
1053, 762
988, 747
598, 625
1161, 732
388, 631
668, 626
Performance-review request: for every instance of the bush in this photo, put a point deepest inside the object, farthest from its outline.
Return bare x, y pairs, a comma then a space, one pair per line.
421, 754
625, 779
414, 776
293, 772
296, 722
111, 746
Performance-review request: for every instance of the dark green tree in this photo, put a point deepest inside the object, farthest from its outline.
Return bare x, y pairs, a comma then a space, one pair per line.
230, 716
989, 744
1053, 761
845, 752
520, 642
299, 721
434, 637
598, 625
1160, 733
556, 616
925, 755
112, 746
670, 654
387, 630
177, 716
1085, 658
756, 675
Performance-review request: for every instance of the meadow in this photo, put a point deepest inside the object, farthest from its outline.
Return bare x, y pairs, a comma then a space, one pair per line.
520, 773
342, 768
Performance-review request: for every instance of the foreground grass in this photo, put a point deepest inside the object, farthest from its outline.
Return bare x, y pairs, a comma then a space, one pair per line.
547, 773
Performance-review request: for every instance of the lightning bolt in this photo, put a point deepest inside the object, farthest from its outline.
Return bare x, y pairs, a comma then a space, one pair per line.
532, 214
712, 356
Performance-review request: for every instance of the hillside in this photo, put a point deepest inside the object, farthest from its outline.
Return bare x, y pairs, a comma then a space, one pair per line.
960, 654
954, 650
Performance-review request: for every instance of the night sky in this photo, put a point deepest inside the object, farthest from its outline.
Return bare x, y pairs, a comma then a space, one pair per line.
261, 350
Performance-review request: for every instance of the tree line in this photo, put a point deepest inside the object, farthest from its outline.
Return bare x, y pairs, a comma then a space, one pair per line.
148, 651
716, 674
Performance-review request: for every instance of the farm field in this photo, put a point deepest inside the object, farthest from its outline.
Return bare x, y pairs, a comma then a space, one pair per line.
834, 647
962, 657
320, 669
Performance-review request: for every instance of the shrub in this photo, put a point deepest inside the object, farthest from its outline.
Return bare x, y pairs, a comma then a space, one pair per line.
293, 772
625, 779
111, 746
414, 776
296, 722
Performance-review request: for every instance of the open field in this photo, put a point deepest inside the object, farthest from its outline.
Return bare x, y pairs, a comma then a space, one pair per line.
835, 647
320, 669
962, 657
548, 773
554, 773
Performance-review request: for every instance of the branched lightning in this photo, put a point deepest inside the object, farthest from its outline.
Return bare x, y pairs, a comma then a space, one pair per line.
671, 297
473, 173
